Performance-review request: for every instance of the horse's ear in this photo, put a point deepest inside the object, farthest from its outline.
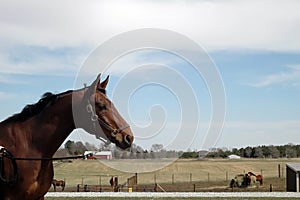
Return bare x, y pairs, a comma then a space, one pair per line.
104, 83
93, 87
96, 83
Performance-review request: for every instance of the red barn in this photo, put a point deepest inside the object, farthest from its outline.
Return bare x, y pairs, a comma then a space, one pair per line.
104, 155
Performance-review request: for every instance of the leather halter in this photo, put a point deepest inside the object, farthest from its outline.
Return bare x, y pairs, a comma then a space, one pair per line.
95, 118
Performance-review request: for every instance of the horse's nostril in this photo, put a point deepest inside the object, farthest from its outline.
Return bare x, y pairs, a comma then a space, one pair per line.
127, 139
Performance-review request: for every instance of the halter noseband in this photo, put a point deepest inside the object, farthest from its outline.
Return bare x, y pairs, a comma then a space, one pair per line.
114, 132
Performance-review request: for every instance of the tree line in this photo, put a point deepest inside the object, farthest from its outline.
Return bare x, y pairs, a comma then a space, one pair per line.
135, 152
158, 151
263, 151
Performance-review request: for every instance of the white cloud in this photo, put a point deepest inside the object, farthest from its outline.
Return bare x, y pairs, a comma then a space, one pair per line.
36, 60
241, 133
252, 125
4, 95
9, 80
291, 76
251, 24
82, 25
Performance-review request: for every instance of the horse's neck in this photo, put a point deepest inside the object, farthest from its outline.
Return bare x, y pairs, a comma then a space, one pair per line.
55, 123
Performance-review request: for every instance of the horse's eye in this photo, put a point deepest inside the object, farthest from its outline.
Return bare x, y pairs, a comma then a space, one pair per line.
102, 107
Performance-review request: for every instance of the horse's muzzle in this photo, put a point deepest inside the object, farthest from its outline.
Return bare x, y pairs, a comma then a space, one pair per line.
125, 142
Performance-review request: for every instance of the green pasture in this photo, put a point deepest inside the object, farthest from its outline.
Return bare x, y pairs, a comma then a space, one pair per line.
203, 173
206, 174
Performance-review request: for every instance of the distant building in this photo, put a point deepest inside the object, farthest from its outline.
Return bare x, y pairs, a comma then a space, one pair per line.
104, 155
233, 156
292, 177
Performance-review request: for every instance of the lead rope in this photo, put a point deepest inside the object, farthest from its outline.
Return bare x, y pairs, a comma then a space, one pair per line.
4, 153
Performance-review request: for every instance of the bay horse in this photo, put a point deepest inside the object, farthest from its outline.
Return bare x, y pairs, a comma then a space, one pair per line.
40, 129
59, 183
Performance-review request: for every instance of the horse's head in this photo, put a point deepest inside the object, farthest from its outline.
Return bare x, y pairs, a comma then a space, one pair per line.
104, 117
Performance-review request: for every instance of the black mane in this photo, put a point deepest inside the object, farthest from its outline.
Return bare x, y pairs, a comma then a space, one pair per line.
32, 109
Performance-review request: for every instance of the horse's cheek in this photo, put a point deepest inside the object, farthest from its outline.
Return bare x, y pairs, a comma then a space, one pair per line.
32, 188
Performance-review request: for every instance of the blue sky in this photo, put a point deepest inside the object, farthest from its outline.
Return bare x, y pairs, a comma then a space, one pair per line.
254, 45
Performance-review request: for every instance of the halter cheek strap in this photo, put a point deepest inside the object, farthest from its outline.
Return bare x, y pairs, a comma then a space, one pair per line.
94, 118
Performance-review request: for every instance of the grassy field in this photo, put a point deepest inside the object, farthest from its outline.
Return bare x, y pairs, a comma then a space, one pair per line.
206, 175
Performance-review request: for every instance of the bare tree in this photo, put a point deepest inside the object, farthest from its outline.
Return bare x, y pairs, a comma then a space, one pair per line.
105, 147
258, 152
90, 147
290, 152
157, 147
248, 152
274, 152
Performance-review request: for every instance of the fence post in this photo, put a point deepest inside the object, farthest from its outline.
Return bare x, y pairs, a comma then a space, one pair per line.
136, 176
208, 177
191, 177
279, 170
226, 179
194, 187
172, 178
116, 184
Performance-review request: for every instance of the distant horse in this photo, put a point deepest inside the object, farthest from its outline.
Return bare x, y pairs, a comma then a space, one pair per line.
59, 183
111, 181
238, 181
258, 178
242, 180
28, 140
